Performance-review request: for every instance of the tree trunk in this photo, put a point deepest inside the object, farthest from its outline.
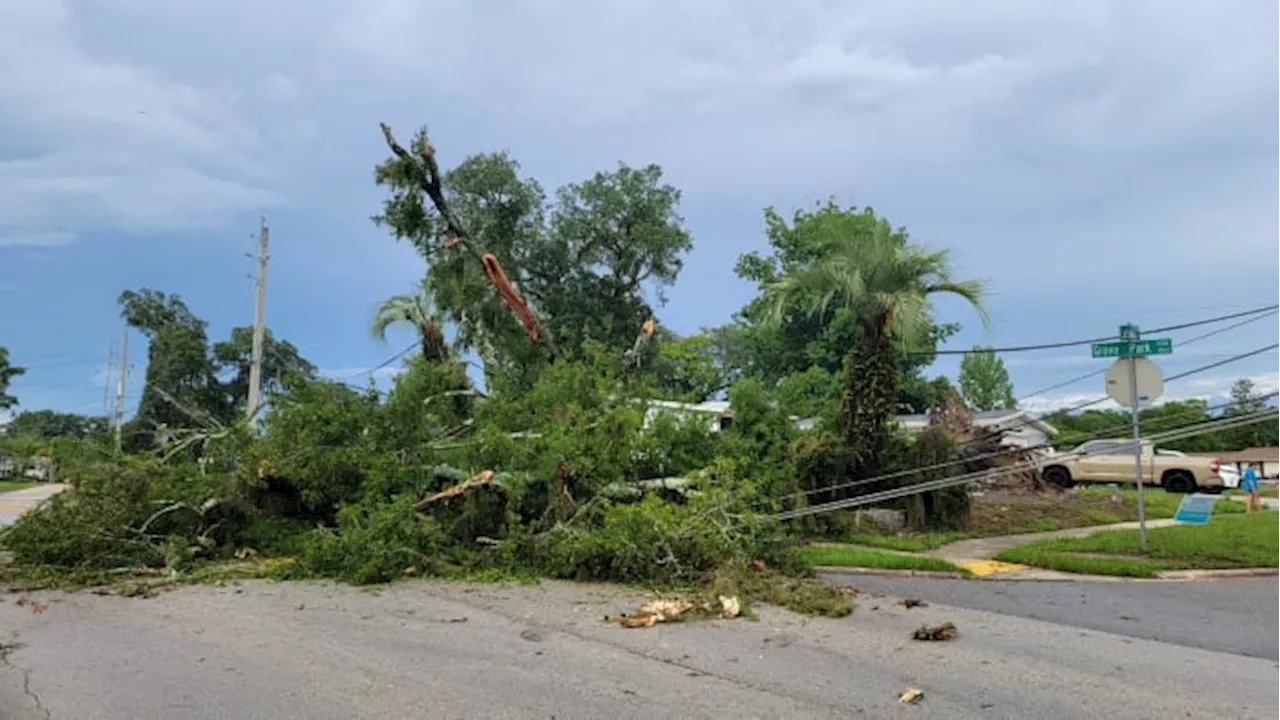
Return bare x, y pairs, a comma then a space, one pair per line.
870, 394
433, 344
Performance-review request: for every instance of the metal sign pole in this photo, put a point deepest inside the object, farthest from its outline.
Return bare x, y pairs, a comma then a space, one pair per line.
1137, 453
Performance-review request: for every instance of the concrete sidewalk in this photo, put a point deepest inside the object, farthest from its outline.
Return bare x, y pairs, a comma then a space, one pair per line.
964, 552
14, 504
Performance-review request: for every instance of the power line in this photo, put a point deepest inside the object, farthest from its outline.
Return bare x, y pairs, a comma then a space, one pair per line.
1181, 343
1000, 453
965, 479
1028, 421
1092, 341
384, 363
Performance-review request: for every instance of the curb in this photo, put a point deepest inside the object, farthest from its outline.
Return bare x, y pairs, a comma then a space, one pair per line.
1040, 575
1215, 574
945, 574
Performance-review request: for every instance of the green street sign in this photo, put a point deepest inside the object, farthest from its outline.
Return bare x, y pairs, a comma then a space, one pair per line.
1135, 348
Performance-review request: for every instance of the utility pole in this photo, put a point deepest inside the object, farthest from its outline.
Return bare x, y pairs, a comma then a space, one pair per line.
124, 376
259, 323
107, 410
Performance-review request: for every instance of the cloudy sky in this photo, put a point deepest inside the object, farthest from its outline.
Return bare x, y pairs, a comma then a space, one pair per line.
1096, 162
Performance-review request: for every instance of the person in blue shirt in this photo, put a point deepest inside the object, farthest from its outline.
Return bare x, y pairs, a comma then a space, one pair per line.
1249, 484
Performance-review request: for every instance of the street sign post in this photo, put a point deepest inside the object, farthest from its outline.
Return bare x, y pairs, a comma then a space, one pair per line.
1133, 348
1136, 381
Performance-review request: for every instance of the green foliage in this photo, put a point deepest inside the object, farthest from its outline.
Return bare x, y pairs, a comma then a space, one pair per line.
659, 541
417, 311
583, 261
563, 468
685, 368
48, 424
762, 344
8, 372
374, 544
1076, 428
182, 390
318, 440
124, 514
282, 365
984, 381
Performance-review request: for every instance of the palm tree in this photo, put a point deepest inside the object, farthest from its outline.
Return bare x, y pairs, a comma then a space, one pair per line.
418, 311
885, 282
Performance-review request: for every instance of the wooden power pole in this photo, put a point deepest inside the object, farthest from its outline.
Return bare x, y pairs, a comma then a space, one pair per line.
259, 324
124, 376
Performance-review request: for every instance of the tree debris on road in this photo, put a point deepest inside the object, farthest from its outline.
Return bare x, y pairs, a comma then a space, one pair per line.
660, 610
910, 696
938, 633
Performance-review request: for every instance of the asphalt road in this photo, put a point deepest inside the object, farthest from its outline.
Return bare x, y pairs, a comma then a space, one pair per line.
430, 650
1236, 615
17, 502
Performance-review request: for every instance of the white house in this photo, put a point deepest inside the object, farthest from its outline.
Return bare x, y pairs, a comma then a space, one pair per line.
718, 413
1022, 429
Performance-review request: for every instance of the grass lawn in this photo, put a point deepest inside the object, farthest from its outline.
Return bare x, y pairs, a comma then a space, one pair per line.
850, 556
912, 542
1233, 541
1262, 492
1010, 514
11, 485
1001, 513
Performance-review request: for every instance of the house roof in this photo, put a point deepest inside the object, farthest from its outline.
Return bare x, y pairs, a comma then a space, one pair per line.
1256, 454
714, 407
989, 419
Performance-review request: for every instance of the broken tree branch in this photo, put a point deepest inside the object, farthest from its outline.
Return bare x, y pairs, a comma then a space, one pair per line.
430, 181
484, 477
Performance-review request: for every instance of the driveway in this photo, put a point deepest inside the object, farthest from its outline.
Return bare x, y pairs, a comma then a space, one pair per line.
434, 650
14, 504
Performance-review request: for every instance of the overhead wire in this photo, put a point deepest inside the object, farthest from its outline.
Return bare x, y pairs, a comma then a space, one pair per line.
943, 483
1092, 341
1181, 343
1097, 434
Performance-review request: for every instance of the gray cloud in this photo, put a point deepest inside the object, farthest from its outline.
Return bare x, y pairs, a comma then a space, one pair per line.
1022, 132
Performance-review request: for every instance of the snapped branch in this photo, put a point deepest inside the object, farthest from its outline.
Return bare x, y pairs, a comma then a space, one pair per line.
429, 180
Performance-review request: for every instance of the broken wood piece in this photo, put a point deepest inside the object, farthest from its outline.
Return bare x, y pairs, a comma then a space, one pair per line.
910, 696
498, 277
481, 478
656, 611
730, 607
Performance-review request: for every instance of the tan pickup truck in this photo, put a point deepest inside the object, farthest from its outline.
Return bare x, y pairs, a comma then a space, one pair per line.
1111, 461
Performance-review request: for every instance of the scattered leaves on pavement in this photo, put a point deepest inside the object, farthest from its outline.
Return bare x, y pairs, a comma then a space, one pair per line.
34, 606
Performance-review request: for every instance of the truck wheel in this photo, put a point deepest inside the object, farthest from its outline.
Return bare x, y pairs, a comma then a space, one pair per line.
1179, 482
1059, 476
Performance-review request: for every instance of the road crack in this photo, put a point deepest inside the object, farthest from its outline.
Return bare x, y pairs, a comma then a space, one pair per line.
7, 649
